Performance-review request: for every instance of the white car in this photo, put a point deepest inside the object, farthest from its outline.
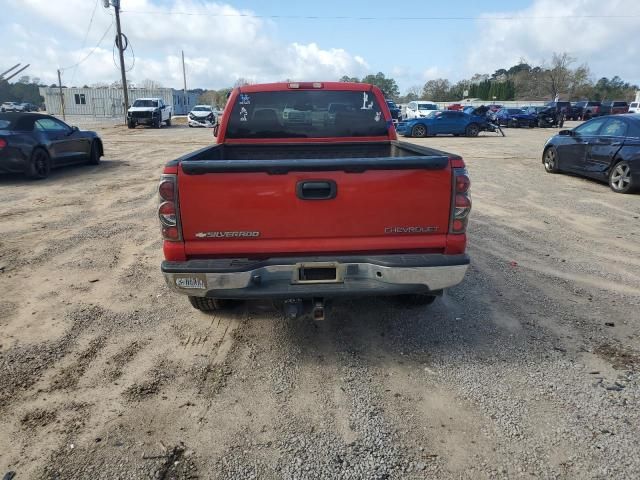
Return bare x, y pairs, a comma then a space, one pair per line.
419, 109
202, 116
634, 107
12, 107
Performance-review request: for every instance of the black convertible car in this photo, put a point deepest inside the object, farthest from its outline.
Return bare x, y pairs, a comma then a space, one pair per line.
34, 143
605, 148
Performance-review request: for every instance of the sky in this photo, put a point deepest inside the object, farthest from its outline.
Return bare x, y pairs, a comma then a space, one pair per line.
272, 41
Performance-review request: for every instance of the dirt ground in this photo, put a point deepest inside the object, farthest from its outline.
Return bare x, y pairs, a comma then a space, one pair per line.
528, 369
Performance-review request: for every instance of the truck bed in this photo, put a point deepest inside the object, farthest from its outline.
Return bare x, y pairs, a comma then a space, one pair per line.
280, 158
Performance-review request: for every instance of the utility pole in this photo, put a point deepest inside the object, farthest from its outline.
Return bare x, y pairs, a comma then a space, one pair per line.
61, 96
121, 47
184, 76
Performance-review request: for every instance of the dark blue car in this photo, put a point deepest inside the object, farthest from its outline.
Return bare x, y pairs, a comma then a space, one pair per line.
604, 148
393, 109
443, 123
515, 117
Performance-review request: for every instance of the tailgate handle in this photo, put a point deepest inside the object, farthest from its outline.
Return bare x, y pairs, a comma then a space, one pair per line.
316, 189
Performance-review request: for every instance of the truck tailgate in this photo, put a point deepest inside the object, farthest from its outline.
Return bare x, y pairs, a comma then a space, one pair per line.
249, 208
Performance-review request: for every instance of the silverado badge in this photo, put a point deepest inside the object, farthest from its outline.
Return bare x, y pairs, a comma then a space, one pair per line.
227, 234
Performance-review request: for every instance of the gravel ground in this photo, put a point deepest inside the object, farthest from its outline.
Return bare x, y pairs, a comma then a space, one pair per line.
528, 369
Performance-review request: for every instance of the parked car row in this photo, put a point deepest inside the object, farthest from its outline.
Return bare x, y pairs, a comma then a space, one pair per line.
18, 107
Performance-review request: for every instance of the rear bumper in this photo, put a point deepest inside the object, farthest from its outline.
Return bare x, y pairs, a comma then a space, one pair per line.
278, 277
12, 160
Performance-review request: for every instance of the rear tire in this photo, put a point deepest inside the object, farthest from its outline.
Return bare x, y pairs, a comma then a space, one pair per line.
131, 125
419, 131
472, 130
620, 178
205, 304
169, 122
39, 165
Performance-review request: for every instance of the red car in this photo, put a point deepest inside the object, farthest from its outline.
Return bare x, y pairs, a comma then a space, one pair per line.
614, 108
457, 107
308, 195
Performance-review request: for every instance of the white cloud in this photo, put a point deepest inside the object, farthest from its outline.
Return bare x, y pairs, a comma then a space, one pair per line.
219, 45
607, 44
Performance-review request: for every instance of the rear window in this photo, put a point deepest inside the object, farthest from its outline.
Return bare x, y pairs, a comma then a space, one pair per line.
427, 106
619, 104
633, 105
7, 122
306, 114
145, 103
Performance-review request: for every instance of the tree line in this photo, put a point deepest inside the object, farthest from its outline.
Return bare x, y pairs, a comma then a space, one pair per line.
558, 77
25, 90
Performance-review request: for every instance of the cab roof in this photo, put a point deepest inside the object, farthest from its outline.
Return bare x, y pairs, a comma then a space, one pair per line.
290, 86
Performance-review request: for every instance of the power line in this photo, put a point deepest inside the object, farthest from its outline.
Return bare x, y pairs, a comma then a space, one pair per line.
344, 17
86, 34
92, 50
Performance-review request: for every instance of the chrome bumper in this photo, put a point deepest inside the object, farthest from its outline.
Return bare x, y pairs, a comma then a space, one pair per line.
384, 275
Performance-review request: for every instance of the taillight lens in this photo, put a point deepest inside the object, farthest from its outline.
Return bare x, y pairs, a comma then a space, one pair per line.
168, 212
461, 201
167, 190
3, 143
462, 183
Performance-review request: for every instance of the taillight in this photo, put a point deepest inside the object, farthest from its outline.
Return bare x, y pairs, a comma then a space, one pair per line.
3, 143
461, 201
168, 212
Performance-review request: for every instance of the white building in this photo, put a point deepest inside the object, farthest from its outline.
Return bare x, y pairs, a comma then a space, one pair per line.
109, 102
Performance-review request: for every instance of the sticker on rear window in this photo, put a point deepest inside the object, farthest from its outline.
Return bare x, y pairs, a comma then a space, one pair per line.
366, 105
245, 99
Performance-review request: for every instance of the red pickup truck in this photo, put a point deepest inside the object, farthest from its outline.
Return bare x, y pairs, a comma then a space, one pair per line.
309, 195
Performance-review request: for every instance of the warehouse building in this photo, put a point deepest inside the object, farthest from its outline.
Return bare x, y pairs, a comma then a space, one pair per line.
109, 102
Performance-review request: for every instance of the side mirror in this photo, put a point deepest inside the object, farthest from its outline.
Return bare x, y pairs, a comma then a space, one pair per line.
567, 133
74, 129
